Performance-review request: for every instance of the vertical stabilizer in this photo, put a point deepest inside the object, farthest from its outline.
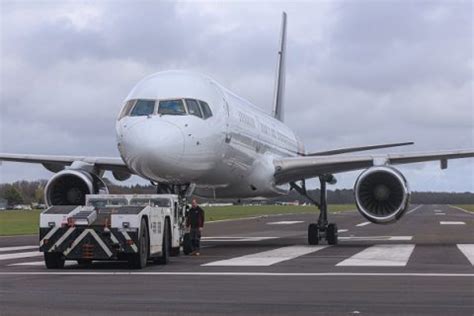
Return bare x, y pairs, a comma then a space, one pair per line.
280, 73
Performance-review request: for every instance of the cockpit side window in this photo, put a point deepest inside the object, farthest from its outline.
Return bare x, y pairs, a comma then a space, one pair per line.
126, 108
193, 107
172, 107
143, 107
206, 110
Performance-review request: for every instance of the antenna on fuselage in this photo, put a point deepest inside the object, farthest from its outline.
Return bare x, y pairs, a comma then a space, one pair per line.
280, 73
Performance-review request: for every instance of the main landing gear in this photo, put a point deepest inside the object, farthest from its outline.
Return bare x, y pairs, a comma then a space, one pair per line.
322, 229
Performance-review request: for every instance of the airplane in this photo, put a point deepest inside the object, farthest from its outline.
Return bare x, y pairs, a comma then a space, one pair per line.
188, 134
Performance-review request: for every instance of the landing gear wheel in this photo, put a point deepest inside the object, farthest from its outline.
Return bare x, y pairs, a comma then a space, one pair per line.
139, 260
187, 247
331, 234
166, 246
313, 234
54, 260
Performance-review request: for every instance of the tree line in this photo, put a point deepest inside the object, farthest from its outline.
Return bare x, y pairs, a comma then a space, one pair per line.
32, 192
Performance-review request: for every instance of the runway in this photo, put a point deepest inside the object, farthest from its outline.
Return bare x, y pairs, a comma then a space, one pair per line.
423, 264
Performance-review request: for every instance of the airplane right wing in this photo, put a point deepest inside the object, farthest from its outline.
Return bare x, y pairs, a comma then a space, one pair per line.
57, 162
298, 168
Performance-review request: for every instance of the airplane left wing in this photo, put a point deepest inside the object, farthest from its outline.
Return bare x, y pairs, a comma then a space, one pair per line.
298, 168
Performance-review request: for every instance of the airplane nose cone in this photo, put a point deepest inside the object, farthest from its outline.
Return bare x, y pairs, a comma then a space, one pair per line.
152, 147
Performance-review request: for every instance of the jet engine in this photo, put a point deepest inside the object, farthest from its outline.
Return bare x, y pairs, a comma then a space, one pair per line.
382, 194
69, 187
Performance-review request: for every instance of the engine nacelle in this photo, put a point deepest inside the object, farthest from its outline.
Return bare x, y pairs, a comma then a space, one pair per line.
69, 187
382, 194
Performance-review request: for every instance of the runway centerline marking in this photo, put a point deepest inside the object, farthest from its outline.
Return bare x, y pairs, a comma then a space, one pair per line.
4, 249
451, 223
380, 256
342, 230
20, 255
268, 258
440, 214
285, 223
363, 224
468, 251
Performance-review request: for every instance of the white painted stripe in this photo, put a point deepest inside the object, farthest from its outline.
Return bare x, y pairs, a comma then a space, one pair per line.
342, 230
63, 238
127, 237
392, 238
239, 274
452, 223
20, 255
112, 236
414, 209
48, 235
468, 251
363, 224
381, 255
285, 223
4, 249
39, 263
101, 243
438, 211
267, 258
227, 239
440, 214
76, 242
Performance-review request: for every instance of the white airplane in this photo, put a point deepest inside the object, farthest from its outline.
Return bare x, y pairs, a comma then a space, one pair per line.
188, 134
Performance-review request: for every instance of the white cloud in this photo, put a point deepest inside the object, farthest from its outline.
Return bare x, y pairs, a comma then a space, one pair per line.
358, 73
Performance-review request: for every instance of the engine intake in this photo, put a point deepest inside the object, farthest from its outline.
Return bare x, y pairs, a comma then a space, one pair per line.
382, 194
69, 187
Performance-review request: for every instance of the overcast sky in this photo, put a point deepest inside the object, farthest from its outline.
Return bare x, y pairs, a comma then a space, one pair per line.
358, 72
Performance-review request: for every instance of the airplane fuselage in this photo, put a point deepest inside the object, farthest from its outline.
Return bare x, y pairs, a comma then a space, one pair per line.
228, 154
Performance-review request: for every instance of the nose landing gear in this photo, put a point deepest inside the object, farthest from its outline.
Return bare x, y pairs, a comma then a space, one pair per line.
322, 229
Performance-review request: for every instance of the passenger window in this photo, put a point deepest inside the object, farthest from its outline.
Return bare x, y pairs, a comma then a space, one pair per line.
193, 107
172, 107
126, 108
143, 107
206, 110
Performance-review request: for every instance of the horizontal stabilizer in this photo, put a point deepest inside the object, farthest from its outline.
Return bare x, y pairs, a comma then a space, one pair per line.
357, 149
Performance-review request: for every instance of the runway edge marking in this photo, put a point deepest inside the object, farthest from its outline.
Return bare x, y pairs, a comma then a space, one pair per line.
275, 274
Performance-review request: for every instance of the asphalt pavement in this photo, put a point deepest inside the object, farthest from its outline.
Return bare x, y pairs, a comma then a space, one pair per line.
423, 264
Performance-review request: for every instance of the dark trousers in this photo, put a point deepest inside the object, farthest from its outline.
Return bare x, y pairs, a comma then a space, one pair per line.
195, 238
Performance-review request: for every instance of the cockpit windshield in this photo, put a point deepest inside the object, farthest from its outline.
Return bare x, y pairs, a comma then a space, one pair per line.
173, 107
143, 107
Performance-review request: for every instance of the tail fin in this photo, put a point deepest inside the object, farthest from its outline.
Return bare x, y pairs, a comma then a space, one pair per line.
280, 74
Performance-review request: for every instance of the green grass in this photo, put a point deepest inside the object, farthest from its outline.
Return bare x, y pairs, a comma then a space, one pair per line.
234, 212
14, 222
467, 207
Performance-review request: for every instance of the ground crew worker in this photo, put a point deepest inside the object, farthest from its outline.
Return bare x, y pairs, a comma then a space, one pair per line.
195, 222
